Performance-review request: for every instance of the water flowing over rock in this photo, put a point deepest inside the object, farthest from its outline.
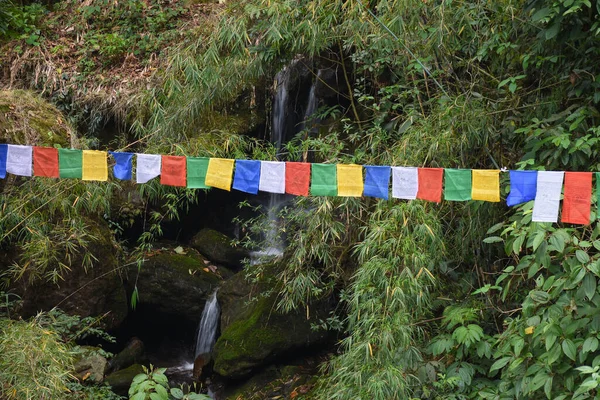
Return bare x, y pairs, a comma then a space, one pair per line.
207, 334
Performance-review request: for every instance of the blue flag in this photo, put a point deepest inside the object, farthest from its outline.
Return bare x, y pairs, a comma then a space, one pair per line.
523, 185
3, 156
247, 176
122, 169
377, 181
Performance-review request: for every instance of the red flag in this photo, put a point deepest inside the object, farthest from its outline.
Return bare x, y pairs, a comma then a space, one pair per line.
578, 198
45, 162
173, 171
430, 184
297, 178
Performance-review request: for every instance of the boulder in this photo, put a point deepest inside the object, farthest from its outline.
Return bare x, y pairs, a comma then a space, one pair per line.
254, 333
175, 283
121, 380
27, 118
218, 248
90, 366
98, 291
131, 354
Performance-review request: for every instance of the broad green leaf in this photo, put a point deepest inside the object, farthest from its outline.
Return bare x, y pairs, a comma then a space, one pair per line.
558, 242
569, 348
582, 256
589, 285
590, 345
541, 14
500, 363
492, 239
539, 238
548, 388
138, 396
177, 393
539, 296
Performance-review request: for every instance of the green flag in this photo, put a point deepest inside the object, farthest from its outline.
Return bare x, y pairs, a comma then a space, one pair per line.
324, 180
196, 172
457, 184
70, 162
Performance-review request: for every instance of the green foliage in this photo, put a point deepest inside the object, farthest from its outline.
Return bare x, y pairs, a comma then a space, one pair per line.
154, 385
35, 363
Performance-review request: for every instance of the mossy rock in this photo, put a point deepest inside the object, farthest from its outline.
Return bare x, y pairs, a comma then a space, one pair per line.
93, 292
26, 118
254, 333
121, 380
175, 284
218, 248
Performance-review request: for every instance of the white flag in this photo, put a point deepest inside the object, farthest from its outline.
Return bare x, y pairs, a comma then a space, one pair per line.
19, 160
148, 167
405, 182
547, 196
272, 177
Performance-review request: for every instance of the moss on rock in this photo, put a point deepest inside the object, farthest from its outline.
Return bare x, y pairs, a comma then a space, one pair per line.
26, 118
218, 247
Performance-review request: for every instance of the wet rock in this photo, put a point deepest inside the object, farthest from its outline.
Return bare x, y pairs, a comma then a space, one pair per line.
96, 292
90, 366
254, 333
121, 380
218, 248
176, 285
131, 354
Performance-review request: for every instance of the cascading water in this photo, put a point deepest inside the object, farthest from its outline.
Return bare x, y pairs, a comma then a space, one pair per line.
207, 330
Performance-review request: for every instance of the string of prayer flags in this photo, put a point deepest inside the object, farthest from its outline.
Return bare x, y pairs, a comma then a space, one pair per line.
297, 178
405, 182
94, 166
577, 199
272, 176
147, 167
123, 168
70, 163
349, 180
430, 184
377, 181
219, 173
196, 172
323, 180
19, 160
45, 162
247, 176
3, 154
172, 171
547, 196
486, 185
457, 184
523, 186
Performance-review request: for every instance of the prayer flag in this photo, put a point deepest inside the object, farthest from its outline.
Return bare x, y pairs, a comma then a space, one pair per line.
247, 176
272, 176
430, 184
3, 153
172, 172
19, 160
94, 166
522, 187
219, 173
123, 168
577, 198
377, 181
196, 172
349, 180
70, 163
324, 180
405, 183
457, 184
297, 178
45, 162
147, 167
547, 196
486, 185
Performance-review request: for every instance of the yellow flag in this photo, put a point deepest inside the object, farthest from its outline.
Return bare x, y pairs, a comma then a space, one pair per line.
350, 180
486, 185
219, 173
94, 166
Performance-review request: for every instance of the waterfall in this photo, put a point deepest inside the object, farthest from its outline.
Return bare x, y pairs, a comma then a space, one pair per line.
280, 101
207, 330
311, 107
